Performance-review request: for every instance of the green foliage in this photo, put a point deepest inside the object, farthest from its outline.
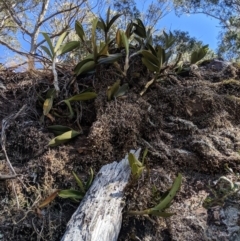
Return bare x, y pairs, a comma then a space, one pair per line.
77, 195
63, 138
98, 55
136, 166
52, 51
116, 90
223, 189
165, 202
79, 97
105, 26
59, 129
199, 54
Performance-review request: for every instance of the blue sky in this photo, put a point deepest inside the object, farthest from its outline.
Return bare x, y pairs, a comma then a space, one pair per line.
199, 26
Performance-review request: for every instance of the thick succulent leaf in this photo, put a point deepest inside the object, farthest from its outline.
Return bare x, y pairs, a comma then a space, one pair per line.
79, 30
59, 129
171, 194
161, 55
125, 42
70, 193
109, 59
86, 67
150, 57
103, 49
108, 16
150, 47
90, 179
79, 182
140, 23
144, 155
63, 138
129, 31
101, 24
150, 65
83, 96
51, 93
49, 42
113, 89
71, 115
47, 51
69, 47
133, 161
114, 18
47, 106
118, 38
122, 90
60, 41
199, 54
140, 29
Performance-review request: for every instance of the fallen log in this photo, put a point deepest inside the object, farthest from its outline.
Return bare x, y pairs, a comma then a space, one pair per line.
99, 215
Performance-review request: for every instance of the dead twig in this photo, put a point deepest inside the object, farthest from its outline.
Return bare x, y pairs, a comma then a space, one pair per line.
5, 123
5, 177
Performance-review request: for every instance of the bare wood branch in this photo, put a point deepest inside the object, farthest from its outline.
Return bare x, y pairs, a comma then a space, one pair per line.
15, 19
99, 216
6, 177
62, 11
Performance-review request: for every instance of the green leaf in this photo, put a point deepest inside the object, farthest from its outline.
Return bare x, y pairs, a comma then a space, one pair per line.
150, 47
59, 129
118, 38
89, 182
70, 193
63, 138
103, 49
108, 15
173, 191
150, 57
47, 105
51, 93
161, 55
79, 30
114, 18
60, 41
140, 29
122, 90
83, 96
112, 90
109, 59
144, 155
125, 42
70, 109
129, 31
69, 47
79, 182
150, 65
87, 66
49, 43
101, 24
132, 159
47, 51
199, 54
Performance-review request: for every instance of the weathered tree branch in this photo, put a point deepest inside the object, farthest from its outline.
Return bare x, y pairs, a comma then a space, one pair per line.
99, 216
